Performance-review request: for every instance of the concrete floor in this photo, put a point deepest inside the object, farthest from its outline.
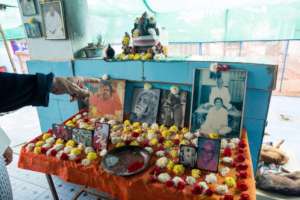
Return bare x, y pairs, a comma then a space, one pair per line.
23, 125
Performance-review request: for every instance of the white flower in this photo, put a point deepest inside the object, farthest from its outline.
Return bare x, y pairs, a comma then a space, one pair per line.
126, 137
140, 139
222, 189
231, 145
195, 142
102, 120
235, 140
151, 135
162, 162
85, 113
154, 126
149, 149
47, 145
189, 136
112, 122
227, 160
88, 150
85, 162
78, 116
49, 151
105, 77
72, 157
80, 146
147, 86
160, 153
81, 125
176, 180
58, 155
211, 178
203, 185
174, 89
30, 147
58, 147
67, 149
190, 180
145, 125
103, 152
163, 177
50, 140
224, 143
197, 133
224, 171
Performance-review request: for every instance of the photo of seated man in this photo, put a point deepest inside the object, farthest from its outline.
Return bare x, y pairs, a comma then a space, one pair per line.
218, 103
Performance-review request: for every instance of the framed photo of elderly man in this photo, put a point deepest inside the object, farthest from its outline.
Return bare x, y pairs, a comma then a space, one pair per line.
53, 19
218, 102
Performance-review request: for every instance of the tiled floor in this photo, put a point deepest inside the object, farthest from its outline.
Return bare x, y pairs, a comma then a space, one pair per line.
283, 123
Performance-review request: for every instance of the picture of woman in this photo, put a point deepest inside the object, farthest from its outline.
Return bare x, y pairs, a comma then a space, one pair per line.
208, 154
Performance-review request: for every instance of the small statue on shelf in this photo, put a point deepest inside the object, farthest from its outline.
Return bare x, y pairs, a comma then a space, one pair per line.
143, 24
110, 52
126, 39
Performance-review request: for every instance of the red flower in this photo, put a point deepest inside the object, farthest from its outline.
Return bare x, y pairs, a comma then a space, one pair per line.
208, 192
241, 166
180, 185
156, 170
127, 142
197, 189
145, 143
176, 141
44, 150
161, 140
53, 152
242, 174
152, 179
135, 166
169, 183
242, 186
227, 152
242, 144
240, 150
135, 134
64, 156
240, 158
160, 148
244, 196
228, 197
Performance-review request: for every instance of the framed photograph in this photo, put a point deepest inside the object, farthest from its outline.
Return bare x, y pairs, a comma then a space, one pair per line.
107, 99
101, 136
188, 156
62, 131
53, 19
28, 7
83, 136
33, 30
208, 152
218, 102
145, 105
172, 108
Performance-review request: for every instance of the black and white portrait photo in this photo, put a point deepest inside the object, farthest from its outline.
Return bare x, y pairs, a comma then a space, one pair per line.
28, 7
33, 30
218, 102
53, 18
188, 155
145, 105
172, 108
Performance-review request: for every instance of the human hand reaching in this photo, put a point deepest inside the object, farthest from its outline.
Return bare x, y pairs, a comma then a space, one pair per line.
74, 86
8, 155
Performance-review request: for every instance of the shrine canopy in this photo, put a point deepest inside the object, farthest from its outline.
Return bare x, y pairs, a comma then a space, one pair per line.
201, 21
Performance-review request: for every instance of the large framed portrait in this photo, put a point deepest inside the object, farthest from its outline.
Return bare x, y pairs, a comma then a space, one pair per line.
172, 108
145, 105
107, 99
218, 102
53, 19
208, 153
28, 7
33, 30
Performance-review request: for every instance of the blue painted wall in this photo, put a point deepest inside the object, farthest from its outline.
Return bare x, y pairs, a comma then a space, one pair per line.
259, 86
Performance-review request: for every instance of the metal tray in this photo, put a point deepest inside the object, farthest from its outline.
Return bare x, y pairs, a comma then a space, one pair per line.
118, 160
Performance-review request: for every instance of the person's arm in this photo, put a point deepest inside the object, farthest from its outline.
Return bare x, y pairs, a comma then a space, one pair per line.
18, 90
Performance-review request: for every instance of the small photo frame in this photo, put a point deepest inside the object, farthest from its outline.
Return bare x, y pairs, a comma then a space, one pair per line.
101, 136
188, 156
62, 131
83, 136
208, 153
53, 19
33, 30
28, 7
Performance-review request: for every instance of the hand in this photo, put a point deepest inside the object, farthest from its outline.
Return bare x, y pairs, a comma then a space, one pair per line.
8, 155
74, 86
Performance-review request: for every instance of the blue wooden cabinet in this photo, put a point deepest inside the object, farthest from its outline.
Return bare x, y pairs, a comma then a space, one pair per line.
260, 82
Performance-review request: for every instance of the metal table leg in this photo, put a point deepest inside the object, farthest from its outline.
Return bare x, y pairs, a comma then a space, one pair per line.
52, 187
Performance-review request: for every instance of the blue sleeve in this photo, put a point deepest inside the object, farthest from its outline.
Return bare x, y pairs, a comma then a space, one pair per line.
18, 90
